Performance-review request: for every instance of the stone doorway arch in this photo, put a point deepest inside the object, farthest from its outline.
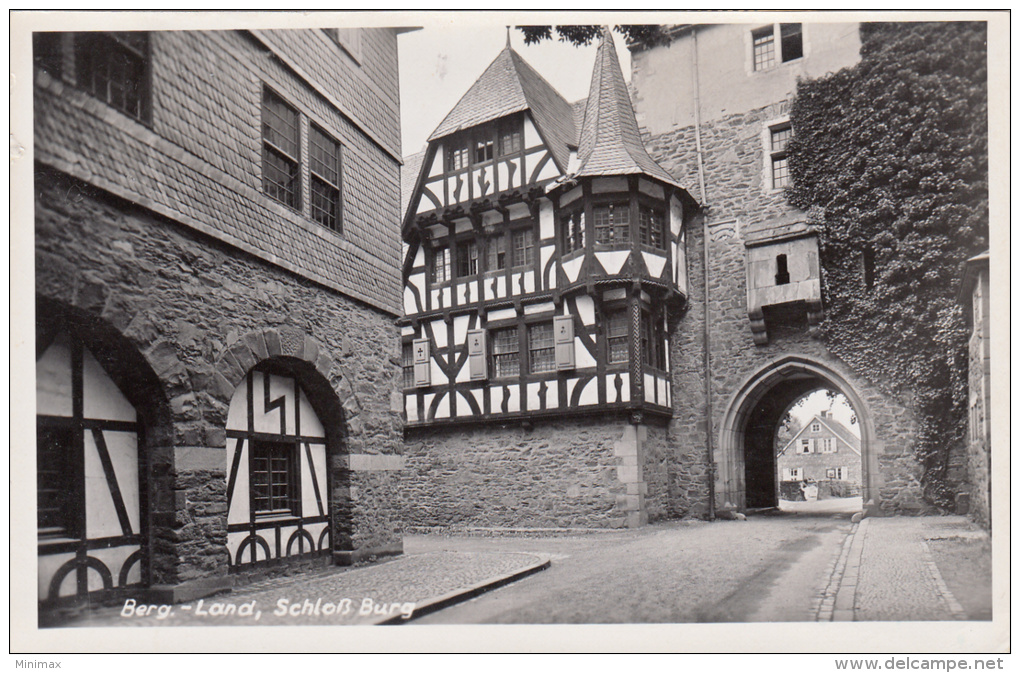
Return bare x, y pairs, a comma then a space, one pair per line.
745, 475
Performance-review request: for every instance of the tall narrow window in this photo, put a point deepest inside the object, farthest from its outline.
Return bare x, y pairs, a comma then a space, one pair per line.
764, 45
324, 155
618, 336
467, 259
868, 267
506, 352
281, 149
114, 67
651, 228
782, 272
273, 483
407, 364
779, 138
497, 253
441, 264
791, 41
456, 156
652, 347
541, 348
56, 503
483, 150
805, 446
572, 231
612, 224
510, 137
523, 248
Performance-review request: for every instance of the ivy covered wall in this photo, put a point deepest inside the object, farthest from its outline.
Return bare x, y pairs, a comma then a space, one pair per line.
890, 158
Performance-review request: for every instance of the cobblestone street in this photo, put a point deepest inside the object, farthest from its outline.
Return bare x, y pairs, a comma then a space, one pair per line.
773, 567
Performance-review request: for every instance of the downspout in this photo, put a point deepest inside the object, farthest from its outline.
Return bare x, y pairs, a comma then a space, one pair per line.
710, 451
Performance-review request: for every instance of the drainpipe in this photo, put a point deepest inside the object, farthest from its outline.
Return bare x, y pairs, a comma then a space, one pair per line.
710, 451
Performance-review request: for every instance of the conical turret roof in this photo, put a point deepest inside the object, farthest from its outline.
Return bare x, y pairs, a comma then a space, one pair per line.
507, 86
610, 143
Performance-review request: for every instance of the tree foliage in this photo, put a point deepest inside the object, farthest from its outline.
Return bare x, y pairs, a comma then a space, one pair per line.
584, 35
890, 157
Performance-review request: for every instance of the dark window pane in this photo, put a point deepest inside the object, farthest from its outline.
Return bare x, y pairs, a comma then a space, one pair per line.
792, 41
113, 67
467, 259
497, 253
57, 509
612, 224
273, 477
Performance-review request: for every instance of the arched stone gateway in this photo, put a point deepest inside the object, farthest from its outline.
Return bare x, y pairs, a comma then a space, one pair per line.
746, 476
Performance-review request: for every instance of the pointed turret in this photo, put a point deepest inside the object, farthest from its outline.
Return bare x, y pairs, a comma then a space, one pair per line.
507, 86
610, 143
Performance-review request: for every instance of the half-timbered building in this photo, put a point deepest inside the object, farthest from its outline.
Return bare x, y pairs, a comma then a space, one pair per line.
544, 261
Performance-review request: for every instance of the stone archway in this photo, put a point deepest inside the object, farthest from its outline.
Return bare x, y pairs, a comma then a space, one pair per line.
746, 464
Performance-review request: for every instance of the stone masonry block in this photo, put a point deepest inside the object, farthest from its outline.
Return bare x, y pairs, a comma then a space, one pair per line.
273, 345
257, 343
242, 353
311, 349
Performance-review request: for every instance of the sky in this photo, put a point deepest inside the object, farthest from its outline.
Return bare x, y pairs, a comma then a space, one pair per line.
440, 62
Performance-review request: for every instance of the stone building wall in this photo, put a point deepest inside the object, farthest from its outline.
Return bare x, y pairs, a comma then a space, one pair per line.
200, 314
737, 199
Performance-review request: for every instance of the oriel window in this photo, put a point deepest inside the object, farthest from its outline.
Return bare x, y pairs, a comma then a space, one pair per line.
651, 228
618, 336
572, 231
281, 150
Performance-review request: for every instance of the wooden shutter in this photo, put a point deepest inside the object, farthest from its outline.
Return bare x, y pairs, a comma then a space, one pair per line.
476, 355
422, 363
563, 329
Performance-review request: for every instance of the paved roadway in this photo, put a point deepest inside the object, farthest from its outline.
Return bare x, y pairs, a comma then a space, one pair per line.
769, 568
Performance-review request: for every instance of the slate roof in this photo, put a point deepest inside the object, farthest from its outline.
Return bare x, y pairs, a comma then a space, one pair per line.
408, 179
507, 86
610, 143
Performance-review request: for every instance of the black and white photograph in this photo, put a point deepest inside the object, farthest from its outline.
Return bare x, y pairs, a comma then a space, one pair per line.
516, 331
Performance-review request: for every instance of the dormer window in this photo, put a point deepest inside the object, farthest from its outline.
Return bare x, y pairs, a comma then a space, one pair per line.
483, 150
510, 136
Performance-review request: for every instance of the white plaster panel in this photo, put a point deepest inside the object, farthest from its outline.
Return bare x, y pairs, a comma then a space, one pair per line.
446, 297
234, 541
583, 357
238, 512
48, 567
406, 330
285, 533
572, 267
439, 333
570, 387
439, 377
586, 309
309, 505
529, 281
676, 216
518, 211
425, 204
123, 449
315, 530
611, 396
460, 329
463, 374
427, 403
549, 171
655, 263
649, 388
501, 314
443, 408
451, 185
434, 296
479, 396
609, 185
651, 189
419, 260
612, 261
53, 380
534, 399
546, 221
113, 558
100, 513
544, 307
411, 408
531, 137
463, 405
512, 395
272, 421
590, 393
437, 161
663, 388
311, 426
102, 397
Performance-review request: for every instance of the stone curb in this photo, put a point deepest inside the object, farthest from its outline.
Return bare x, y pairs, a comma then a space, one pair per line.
842, 607
828, 600
954, 607
466, 593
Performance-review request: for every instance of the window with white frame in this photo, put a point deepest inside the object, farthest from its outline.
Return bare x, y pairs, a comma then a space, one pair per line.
440, 264
816, 427
828, 445
805, 446
779, 169
792, 474
767, 51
